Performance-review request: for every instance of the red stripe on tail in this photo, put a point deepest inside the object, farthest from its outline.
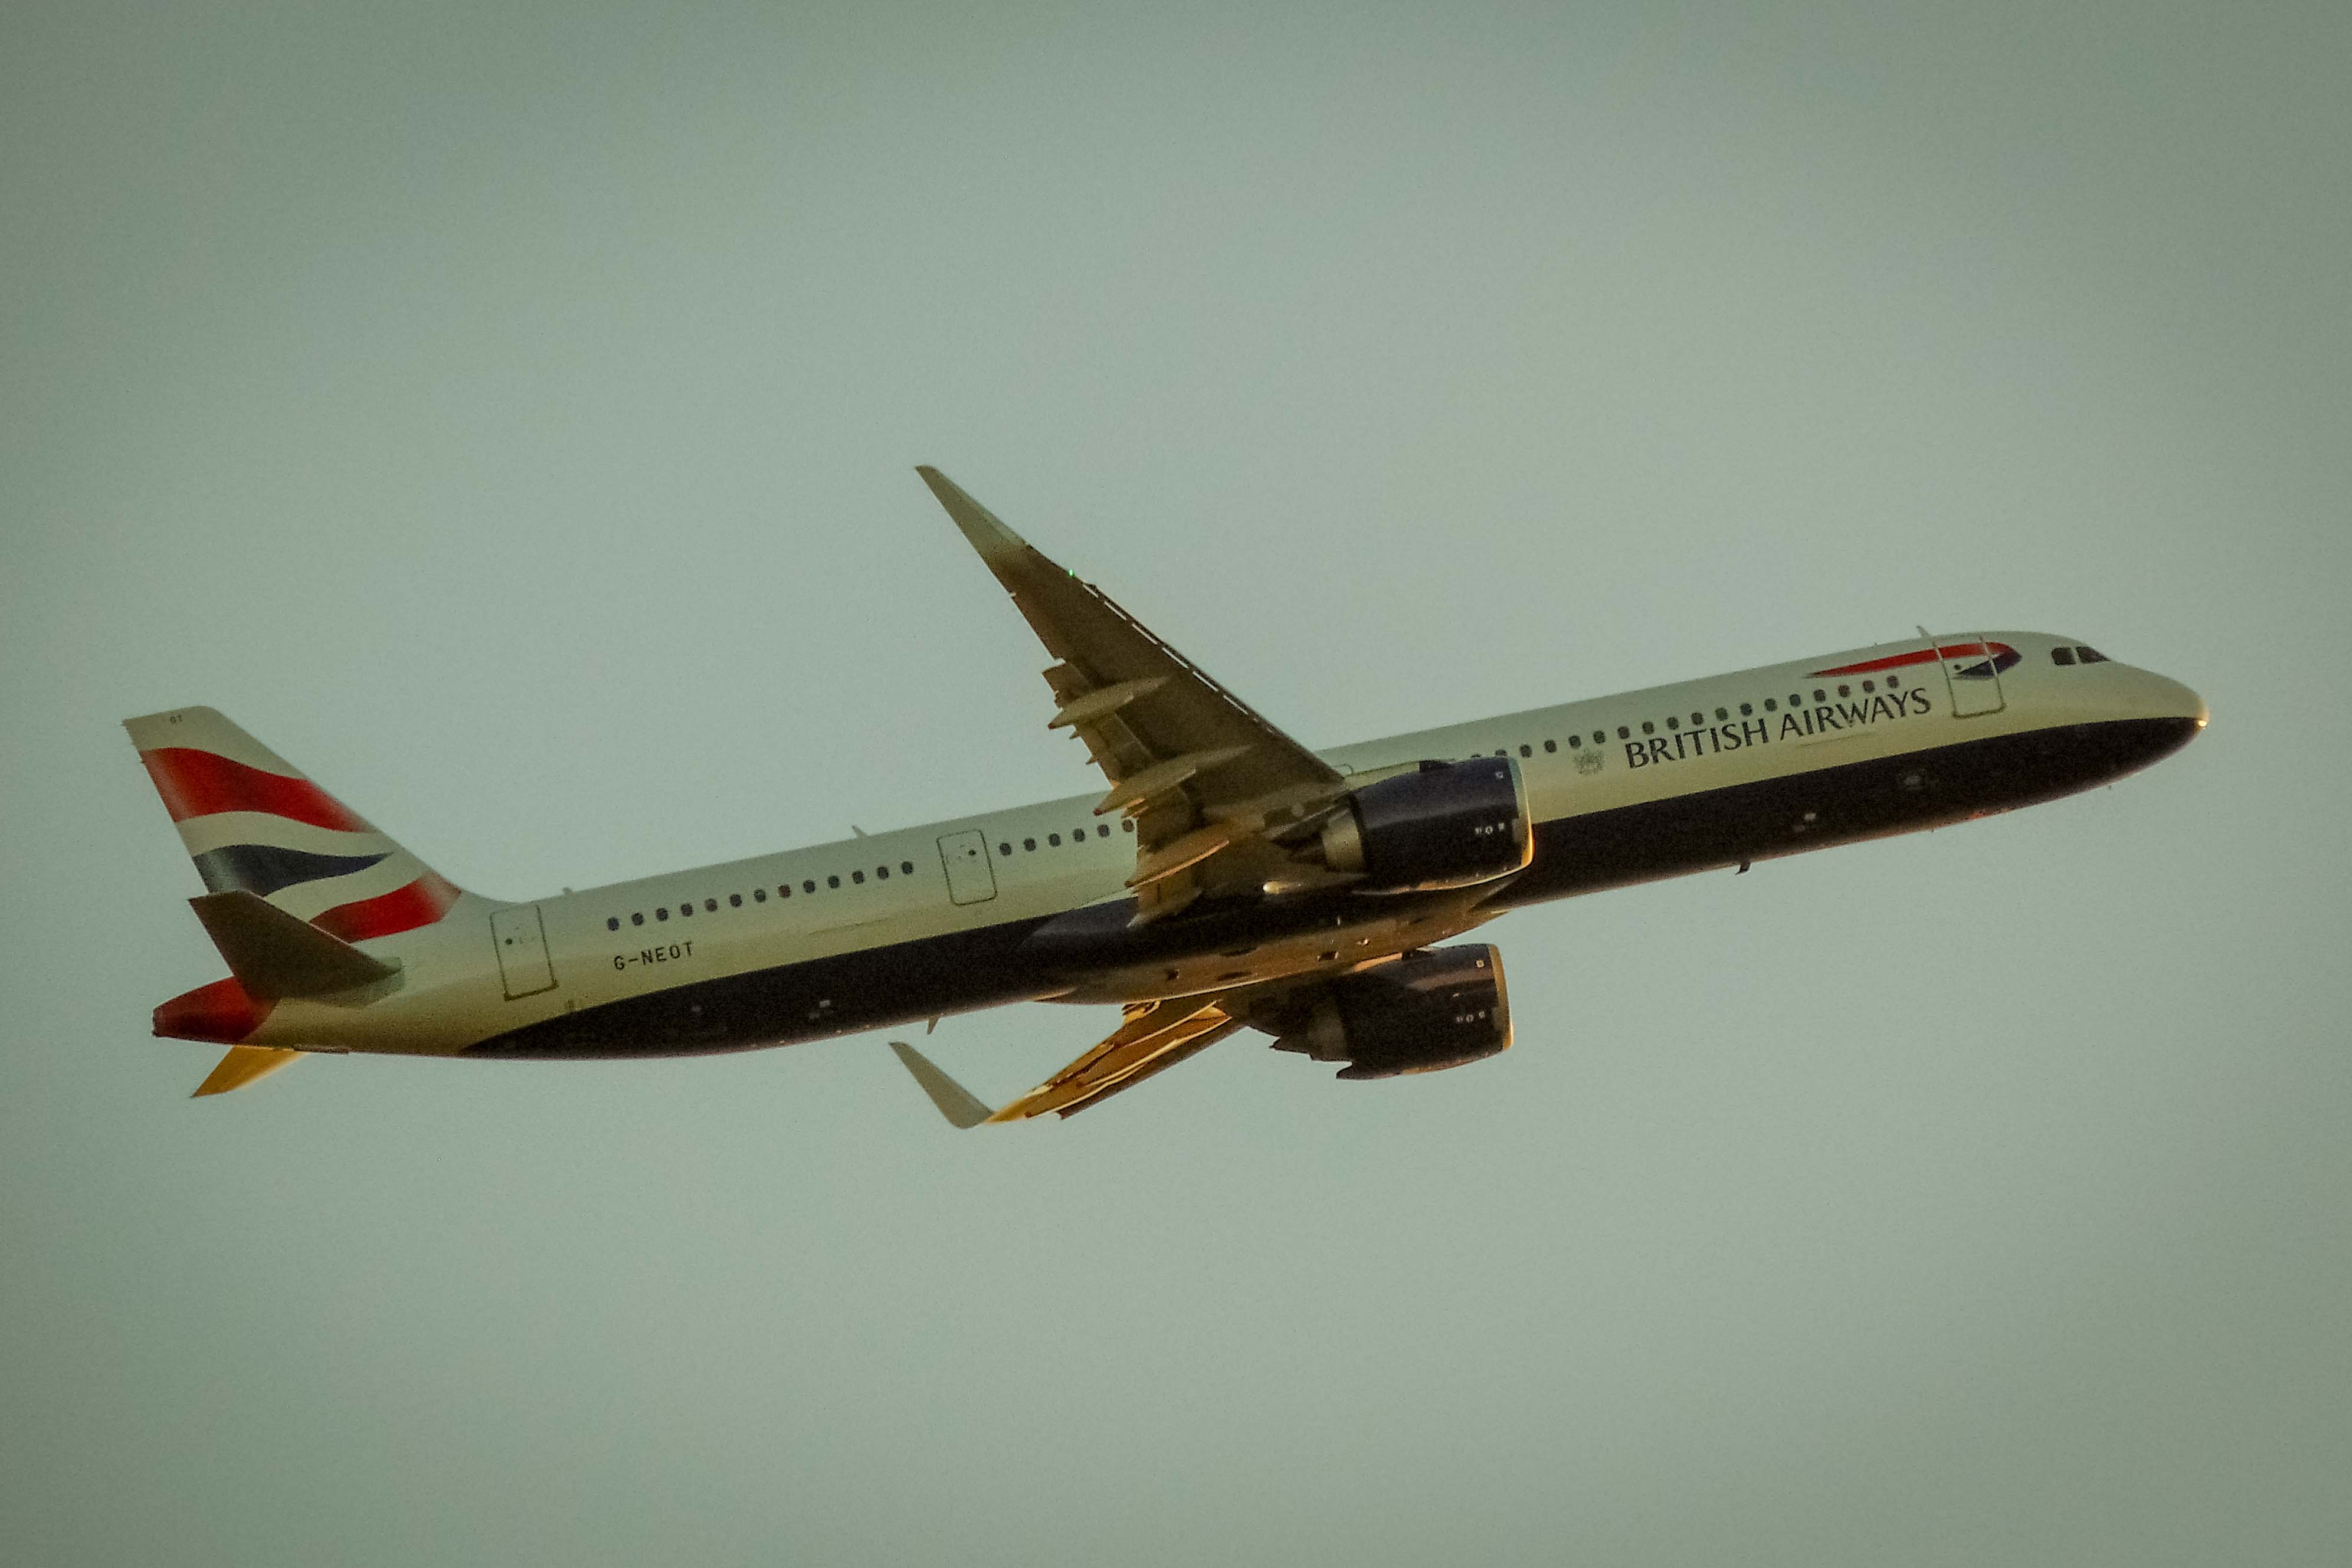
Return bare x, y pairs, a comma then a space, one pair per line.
221, 1012
200, 783
421, 903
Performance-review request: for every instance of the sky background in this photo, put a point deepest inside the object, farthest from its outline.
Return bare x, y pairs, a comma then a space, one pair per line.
508, 414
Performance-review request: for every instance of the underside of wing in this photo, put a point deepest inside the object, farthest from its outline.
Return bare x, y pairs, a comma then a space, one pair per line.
1202, 775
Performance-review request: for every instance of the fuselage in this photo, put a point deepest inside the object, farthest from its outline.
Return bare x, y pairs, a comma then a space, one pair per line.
1031, 902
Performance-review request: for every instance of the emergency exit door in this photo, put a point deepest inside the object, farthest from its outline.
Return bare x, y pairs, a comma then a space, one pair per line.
971, 878
522, 941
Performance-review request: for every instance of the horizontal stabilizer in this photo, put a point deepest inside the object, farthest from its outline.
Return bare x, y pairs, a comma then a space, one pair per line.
957, 1103
275, 955
241, 1066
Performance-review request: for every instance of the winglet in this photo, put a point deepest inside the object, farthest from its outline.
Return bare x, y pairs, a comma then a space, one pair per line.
957, 1103
997, 544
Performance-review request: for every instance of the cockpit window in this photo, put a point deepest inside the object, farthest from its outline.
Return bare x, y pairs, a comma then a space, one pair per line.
2090, 655
2061, 655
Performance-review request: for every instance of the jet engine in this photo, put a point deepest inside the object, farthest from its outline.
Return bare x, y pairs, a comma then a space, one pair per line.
1438, 1007
1445, 825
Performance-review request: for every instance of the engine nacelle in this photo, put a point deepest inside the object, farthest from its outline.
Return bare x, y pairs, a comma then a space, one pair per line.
1438, 1007
1447, 824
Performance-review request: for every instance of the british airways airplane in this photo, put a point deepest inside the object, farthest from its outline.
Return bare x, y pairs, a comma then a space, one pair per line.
1228, 878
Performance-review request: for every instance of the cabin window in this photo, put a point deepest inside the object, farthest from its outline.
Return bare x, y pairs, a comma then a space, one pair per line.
1054, 841
1525, 750
1551, 746
1845, 690
808, 885
882, 874
735, 901
1772, 705
1745, 709
1624, 734
1820, 695
2061, 655
784, 890
1004, 849
662, 914
1102, 830
1128, 826
638, 919
759, 896
611, 922
1870, 686
1649, 728
1892, 681
686, 909
1671, 723
1722, 713
1029, 843
833, 882
858, 877
711, 905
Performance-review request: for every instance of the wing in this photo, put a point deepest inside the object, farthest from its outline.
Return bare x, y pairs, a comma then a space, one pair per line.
1153, 1038
1202, 775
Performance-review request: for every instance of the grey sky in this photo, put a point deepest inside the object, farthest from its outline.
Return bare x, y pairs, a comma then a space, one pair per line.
507, 414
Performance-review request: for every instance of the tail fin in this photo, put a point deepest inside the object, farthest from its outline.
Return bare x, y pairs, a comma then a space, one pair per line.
260, 831
253, 823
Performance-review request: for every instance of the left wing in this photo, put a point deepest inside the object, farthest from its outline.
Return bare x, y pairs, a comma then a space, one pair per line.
1202, 775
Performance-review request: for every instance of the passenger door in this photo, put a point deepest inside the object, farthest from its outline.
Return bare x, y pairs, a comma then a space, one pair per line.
1973, 676
521, 942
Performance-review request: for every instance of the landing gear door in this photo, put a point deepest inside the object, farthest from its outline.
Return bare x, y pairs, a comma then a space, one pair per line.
521, 943
971, 878
1971, 675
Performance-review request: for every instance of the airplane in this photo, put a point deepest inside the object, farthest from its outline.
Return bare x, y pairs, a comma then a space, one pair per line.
1229, 878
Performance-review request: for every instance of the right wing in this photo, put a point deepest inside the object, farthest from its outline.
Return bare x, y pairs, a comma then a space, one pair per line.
1153, 1038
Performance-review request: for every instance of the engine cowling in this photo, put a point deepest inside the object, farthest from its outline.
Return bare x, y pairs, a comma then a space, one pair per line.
1438, 1007
1445, 825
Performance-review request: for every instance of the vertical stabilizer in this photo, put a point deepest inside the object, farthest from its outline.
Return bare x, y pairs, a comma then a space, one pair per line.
253, 823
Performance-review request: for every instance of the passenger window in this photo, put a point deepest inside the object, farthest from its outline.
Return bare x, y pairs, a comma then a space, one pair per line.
1054, 840
1128, 826
858, 877
1671, 722
686, 909
1796, 699
1892, 681
1698, 721
2061, 655
613, 923
882, 874
1551, 746
1772, 705
1820, 695
1746, 709
1525, 750
1624, 734
833, 882
711, 905
1029, 843
1721, 714
1870, 686
662, 914
735, 901
759, 896
1649, 728
638, 919
784, 890
1845, 690
1102, 830
1004, 849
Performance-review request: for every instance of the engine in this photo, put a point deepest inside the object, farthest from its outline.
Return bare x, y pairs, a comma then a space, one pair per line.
1446, 825
1438, 1007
